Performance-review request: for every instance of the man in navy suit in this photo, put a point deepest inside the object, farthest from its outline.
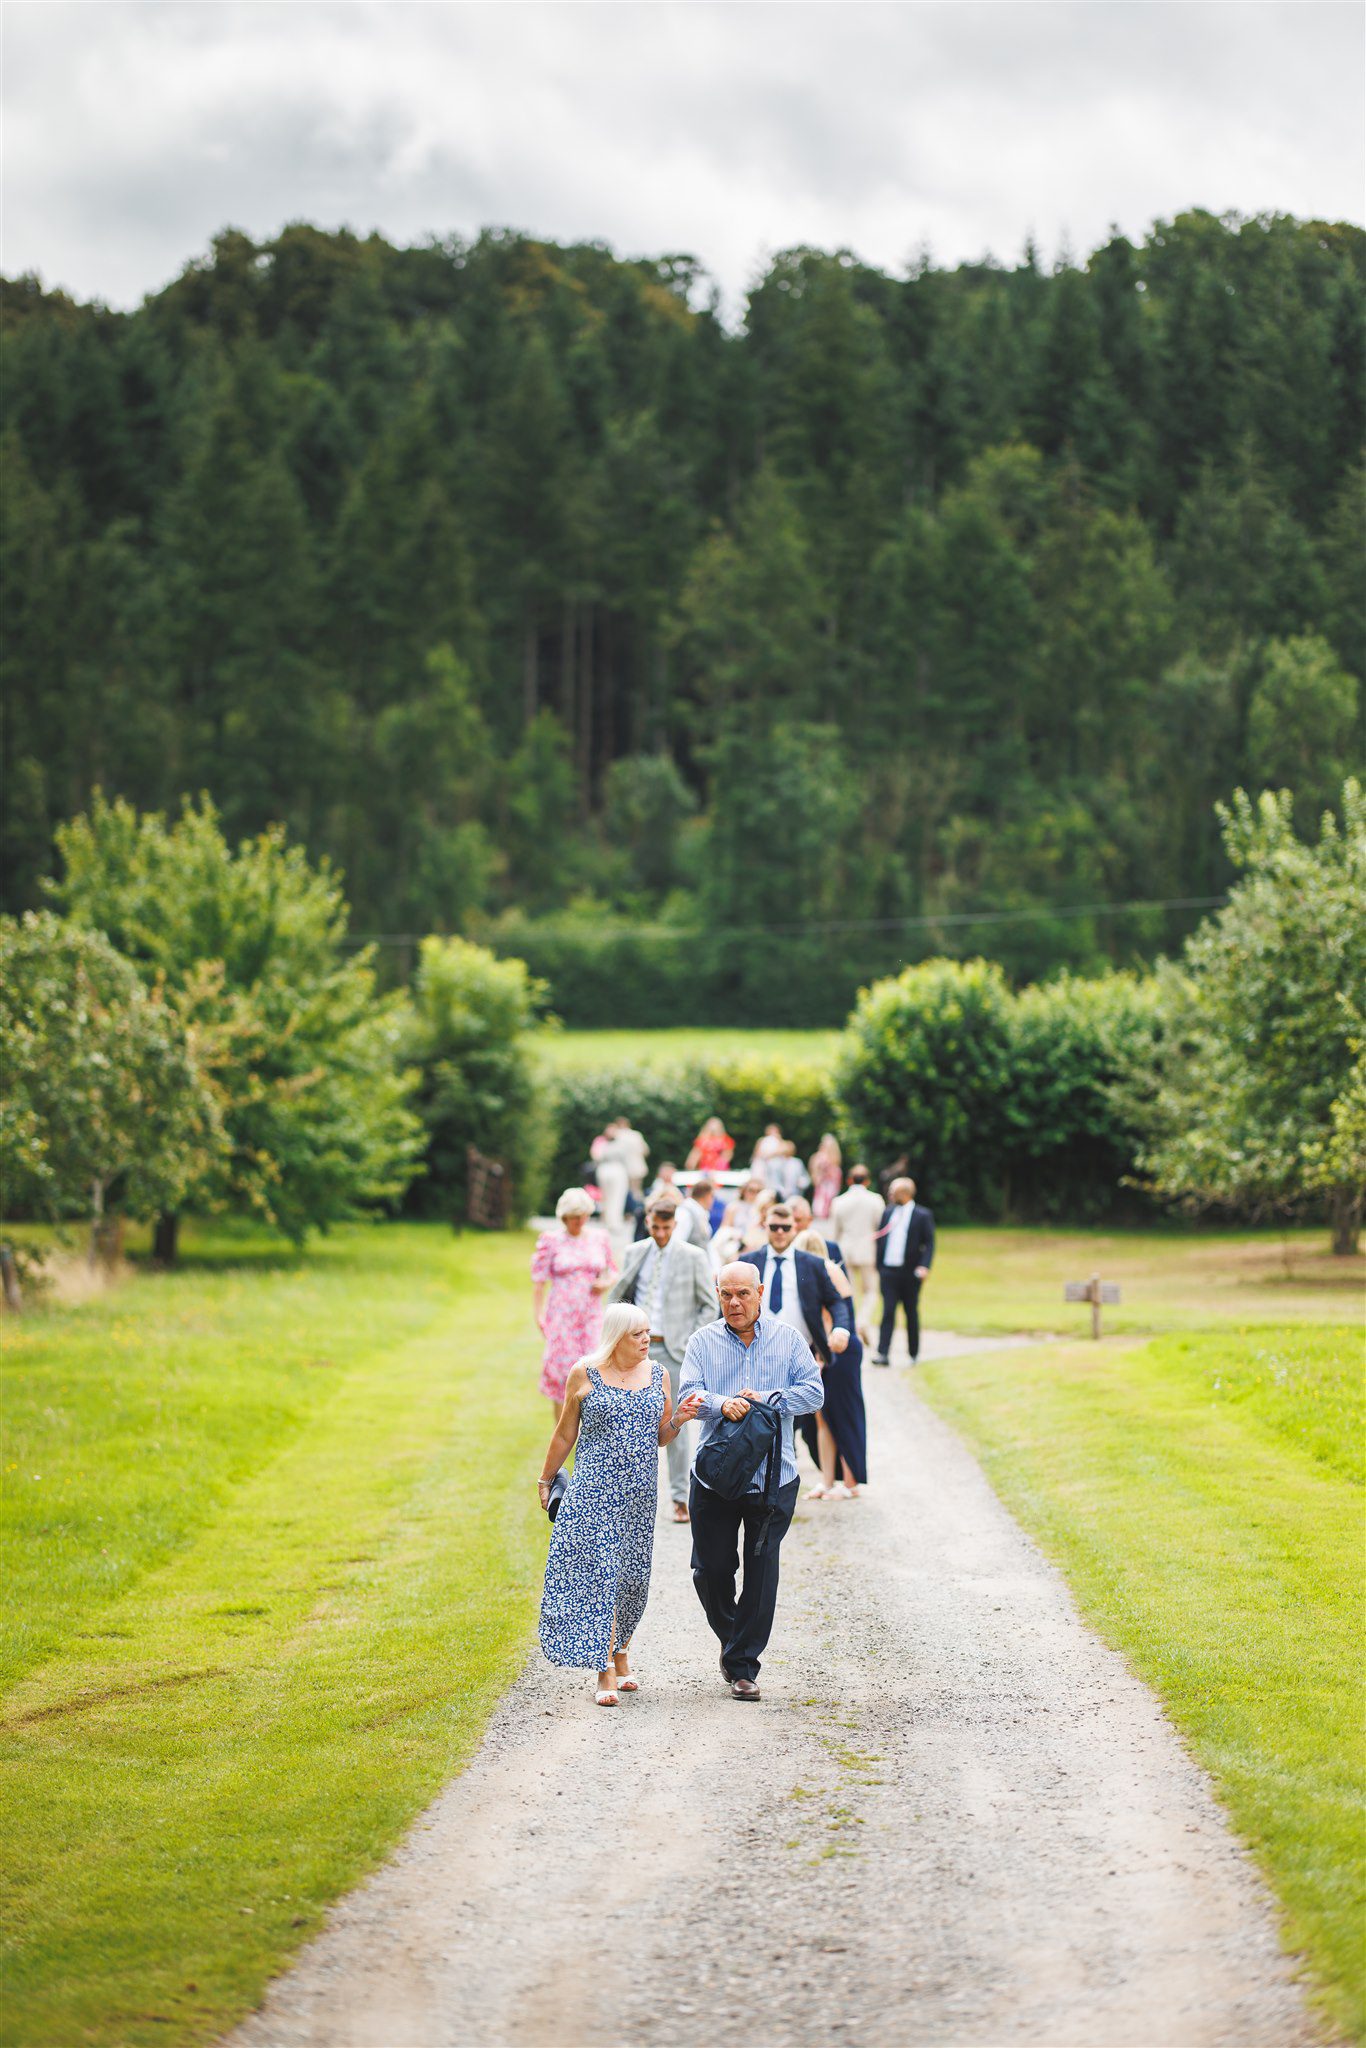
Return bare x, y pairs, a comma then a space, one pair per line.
905, 1253
796, 1287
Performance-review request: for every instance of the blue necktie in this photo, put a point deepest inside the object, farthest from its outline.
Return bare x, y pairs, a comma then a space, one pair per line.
775, 1292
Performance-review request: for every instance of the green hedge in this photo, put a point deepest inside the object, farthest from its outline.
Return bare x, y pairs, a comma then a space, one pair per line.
1069, 1147
1002, 1104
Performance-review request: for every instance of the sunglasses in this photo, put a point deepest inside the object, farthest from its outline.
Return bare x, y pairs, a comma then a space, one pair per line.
782, 1226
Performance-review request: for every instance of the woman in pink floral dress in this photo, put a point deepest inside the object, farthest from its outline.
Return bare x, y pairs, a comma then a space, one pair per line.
571, 1270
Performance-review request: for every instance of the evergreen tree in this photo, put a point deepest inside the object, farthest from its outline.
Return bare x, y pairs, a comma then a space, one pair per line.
1023, 538
1303, 724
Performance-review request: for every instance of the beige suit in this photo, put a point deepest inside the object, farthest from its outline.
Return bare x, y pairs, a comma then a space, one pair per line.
856, 1215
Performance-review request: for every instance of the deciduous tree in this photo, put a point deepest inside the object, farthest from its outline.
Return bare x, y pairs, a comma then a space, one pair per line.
1249, 1102
304, 1055
105, 1105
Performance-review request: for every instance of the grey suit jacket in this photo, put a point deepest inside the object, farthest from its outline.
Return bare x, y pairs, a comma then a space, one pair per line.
689, 1297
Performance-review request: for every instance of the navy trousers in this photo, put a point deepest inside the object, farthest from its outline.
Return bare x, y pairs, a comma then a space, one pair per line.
741, 1625
899, 1286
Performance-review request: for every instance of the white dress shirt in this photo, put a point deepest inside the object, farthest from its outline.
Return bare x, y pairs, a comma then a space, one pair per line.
898, 1230
650, 1284
791, 1310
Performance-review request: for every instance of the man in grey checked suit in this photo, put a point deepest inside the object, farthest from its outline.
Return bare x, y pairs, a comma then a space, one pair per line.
673, 1282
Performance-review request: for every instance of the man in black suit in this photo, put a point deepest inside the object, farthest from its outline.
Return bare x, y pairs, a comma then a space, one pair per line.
905, 1253
796, 1287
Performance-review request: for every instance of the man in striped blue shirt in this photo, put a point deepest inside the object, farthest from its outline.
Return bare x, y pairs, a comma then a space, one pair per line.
744, 1357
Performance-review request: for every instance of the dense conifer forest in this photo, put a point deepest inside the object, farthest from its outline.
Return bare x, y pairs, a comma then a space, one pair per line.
926, 613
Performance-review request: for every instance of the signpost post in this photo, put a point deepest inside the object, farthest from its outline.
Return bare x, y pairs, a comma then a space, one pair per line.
1095, 1290
486, 1206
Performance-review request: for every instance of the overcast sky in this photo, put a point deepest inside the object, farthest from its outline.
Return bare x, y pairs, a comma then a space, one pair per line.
133, 132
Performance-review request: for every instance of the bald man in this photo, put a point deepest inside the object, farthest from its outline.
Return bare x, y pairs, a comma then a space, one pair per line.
744, 1356
905, 1253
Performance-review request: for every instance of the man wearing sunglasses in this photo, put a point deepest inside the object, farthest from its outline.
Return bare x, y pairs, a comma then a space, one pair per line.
796, 1287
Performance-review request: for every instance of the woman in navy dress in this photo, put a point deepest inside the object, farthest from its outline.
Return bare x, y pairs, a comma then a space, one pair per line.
838, 1436
618, 1408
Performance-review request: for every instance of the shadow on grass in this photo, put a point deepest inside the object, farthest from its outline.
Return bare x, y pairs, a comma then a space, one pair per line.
244, 1256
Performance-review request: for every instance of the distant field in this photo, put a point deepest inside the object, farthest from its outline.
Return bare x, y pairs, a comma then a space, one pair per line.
577, 1050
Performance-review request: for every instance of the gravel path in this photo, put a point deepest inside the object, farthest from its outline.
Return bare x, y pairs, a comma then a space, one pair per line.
955, 1819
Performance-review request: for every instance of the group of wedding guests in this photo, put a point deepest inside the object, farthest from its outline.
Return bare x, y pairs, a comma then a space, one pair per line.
617, 1170
641, 1324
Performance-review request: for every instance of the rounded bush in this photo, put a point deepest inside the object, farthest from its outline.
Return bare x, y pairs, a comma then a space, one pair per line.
1071, 1141
1002, 1104
925, 1074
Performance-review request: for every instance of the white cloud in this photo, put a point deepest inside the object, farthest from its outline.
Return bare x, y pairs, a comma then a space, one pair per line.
135, 131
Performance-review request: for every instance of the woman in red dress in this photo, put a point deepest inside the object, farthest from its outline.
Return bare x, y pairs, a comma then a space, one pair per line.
712, 1149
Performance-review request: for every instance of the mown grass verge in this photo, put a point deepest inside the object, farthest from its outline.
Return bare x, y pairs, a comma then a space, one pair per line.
322, 1554
1203, 1495
1171, 1277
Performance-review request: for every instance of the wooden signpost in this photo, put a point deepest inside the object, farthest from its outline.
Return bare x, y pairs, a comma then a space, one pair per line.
487, 1204
1095, 1290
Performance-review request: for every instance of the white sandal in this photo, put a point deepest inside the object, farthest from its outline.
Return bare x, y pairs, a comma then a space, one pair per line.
820, 1491
627, 1682
606, 1698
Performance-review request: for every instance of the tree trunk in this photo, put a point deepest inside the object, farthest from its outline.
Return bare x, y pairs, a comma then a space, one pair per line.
166, 1240
659, 699
96, 1221
9, 1275
586, 707
529, 658
1344, 1213
568, 630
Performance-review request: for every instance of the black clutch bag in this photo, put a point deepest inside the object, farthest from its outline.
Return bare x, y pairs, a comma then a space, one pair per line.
558, 1486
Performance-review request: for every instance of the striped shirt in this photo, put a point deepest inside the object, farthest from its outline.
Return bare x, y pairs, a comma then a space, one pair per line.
717, 1366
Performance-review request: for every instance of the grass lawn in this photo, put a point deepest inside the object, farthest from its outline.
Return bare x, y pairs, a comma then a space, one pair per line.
270, 1530
577, 1051
1173, 1277
1202, 1492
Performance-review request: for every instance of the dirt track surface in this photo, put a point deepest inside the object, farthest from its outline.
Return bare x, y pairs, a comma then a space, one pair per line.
955, 1820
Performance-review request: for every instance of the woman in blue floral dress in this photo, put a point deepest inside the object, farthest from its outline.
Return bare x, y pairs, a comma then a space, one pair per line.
618, 1409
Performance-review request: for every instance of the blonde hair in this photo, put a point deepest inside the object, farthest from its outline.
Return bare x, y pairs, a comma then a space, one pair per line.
617, 1322
575, 1202
812, 1241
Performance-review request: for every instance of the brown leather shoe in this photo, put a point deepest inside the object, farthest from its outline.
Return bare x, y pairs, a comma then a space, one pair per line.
743, 1689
